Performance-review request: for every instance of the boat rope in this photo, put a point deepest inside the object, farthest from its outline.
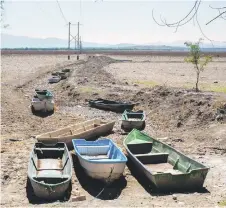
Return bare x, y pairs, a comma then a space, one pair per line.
107, 183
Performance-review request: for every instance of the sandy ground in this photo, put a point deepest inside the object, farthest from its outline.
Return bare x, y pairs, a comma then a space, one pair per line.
169, 71
199, 136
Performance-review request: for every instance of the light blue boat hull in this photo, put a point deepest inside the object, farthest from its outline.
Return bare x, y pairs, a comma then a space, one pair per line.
101, 159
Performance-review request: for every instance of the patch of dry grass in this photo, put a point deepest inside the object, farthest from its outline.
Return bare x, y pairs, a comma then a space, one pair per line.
146, 83
222, 203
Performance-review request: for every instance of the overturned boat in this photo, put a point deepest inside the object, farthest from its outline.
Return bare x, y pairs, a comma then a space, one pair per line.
164, 166
50, 170
101, 159
131, 120
86, 130
111, 105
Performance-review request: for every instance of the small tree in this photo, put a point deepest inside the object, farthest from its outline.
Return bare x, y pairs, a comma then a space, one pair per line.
197, 59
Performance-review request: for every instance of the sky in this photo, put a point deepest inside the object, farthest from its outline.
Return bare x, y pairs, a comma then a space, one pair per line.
111, 22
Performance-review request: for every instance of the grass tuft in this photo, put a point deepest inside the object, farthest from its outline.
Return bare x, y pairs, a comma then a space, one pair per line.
88, 90
207, 87
222, 203
146, 83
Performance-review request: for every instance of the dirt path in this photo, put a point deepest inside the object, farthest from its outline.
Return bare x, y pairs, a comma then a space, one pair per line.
198, 135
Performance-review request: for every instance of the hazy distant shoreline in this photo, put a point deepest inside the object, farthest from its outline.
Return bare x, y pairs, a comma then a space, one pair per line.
220, 53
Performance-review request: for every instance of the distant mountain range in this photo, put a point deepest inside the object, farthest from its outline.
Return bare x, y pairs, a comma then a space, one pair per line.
11, 41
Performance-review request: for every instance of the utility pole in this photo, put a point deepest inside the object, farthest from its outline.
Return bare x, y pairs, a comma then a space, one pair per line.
69, 39
78, 43
75, 45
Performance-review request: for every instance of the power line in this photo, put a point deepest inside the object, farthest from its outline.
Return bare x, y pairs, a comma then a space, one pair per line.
62, 14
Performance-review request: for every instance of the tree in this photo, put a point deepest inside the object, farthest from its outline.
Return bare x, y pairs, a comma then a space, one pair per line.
192, 15
195, 57
2, 10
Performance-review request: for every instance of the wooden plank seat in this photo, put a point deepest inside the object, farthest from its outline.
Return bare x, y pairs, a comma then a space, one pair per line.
152, 157
47, 168
52, 149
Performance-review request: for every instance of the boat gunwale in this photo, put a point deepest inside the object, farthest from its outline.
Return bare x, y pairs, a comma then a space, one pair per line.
49, 184
57, 137
154, 174
132, 112
101, 101
106, 161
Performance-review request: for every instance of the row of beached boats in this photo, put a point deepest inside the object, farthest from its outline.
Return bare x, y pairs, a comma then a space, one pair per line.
59, 75
50, 164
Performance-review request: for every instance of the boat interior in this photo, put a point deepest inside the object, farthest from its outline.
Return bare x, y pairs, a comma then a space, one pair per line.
74, 129
50, 164
157, 160
102, 149
139, 115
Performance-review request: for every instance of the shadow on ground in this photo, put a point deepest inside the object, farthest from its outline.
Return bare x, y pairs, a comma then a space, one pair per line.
33, 199
96, 188
150, 187
42, 114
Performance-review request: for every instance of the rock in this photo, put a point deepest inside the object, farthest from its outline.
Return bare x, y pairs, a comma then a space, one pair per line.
113, 83
178, 140
181, 203
219, 117
5, 177
215, 82
179, 124
163, 138
75, 193
126, 83
78, 198
135, 85
174, 197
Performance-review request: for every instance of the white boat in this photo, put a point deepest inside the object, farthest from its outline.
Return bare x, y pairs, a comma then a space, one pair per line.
42, 105
86, 130
54, 79
101, 159
50, 170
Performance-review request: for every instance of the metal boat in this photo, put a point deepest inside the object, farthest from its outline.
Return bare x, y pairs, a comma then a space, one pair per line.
50, 170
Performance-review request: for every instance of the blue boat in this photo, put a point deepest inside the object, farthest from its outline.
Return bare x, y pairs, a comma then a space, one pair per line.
101, 159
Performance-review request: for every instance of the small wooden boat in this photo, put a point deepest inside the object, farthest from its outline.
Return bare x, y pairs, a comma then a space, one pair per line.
164, 166
66, 70
63, 75
110, 105
101, 159
50, 170
43, 94
131, 120
86, 130
55, 73
54, 79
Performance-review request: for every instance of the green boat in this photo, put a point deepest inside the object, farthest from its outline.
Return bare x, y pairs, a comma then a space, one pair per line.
43, 94
133, 120
164, 166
